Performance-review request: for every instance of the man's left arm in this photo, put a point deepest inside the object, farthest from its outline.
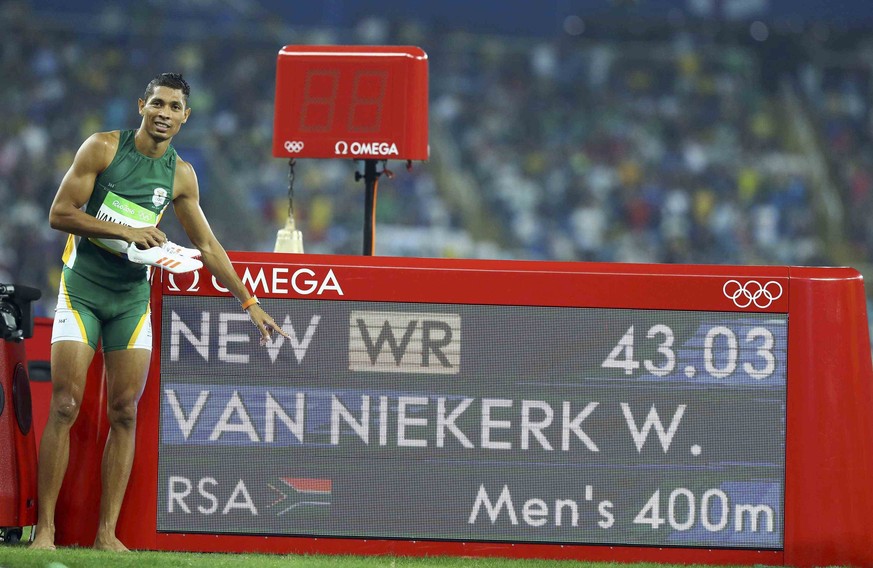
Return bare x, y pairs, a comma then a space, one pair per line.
186, 203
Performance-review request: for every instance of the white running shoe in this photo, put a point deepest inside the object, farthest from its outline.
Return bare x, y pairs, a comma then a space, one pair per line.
169, 256
173, 248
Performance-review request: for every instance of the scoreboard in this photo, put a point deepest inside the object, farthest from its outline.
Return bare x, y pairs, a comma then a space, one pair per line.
667, 413
474, 422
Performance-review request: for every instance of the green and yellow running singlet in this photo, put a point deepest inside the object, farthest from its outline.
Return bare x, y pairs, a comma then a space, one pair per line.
134, 190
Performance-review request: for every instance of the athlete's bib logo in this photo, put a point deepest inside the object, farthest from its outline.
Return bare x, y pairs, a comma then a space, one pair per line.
160, 196
117, 209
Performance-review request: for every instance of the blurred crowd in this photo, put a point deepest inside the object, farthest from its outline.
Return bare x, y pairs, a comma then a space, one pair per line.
839, 86
674, 147
664, 152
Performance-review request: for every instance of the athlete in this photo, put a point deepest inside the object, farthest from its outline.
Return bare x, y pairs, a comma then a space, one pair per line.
112, 198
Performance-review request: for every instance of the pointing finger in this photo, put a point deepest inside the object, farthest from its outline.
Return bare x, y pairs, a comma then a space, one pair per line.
271, 326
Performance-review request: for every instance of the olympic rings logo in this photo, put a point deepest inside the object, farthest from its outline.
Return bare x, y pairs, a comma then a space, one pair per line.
293, 146
752, 292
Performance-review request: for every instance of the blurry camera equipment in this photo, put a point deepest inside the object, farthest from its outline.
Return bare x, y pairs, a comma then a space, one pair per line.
16, 311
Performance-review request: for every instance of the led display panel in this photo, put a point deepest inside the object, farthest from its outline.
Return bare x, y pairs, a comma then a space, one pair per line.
473, 422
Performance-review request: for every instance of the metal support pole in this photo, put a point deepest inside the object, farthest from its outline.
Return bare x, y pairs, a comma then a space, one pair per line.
371, 184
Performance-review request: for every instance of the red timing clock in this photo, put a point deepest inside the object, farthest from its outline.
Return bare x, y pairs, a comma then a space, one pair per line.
356, 102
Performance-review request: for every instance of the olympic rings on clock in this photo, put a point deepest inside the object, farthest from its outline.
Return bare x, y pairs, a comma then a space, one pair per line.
293, 146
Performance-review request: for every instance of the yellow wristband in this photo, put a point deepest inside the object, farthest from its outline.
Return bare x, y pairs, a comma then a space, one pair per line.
250, 302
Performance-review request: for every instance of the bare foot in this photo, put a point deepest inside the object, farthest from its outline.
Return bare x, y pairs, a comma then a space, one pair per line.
109, 543
44, 539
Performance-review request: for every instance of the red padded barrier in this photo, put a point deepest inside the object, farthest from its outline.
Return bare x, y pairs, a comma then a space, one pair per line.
39, 353
17, 444
79, 501
829, 455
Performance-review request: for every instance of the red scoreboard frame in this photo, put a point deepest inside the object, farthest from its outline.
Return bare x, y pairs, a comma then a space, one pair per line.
829, 426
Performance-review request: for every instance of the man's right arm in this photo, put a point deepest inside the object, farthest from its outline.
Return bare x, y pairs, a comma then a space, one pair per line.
66, 213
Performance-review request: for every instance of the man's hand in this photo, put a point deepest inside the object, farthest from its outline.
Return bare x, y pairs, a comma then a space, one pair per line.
145, 237
264, 323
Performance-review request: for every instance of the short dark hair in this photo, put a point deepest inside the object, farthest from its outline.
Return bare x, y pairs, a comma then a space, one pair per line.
171, 80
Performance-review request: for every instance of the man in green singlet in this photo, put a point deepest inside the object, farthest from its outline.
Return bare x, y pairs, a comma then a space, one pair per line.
124, 180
